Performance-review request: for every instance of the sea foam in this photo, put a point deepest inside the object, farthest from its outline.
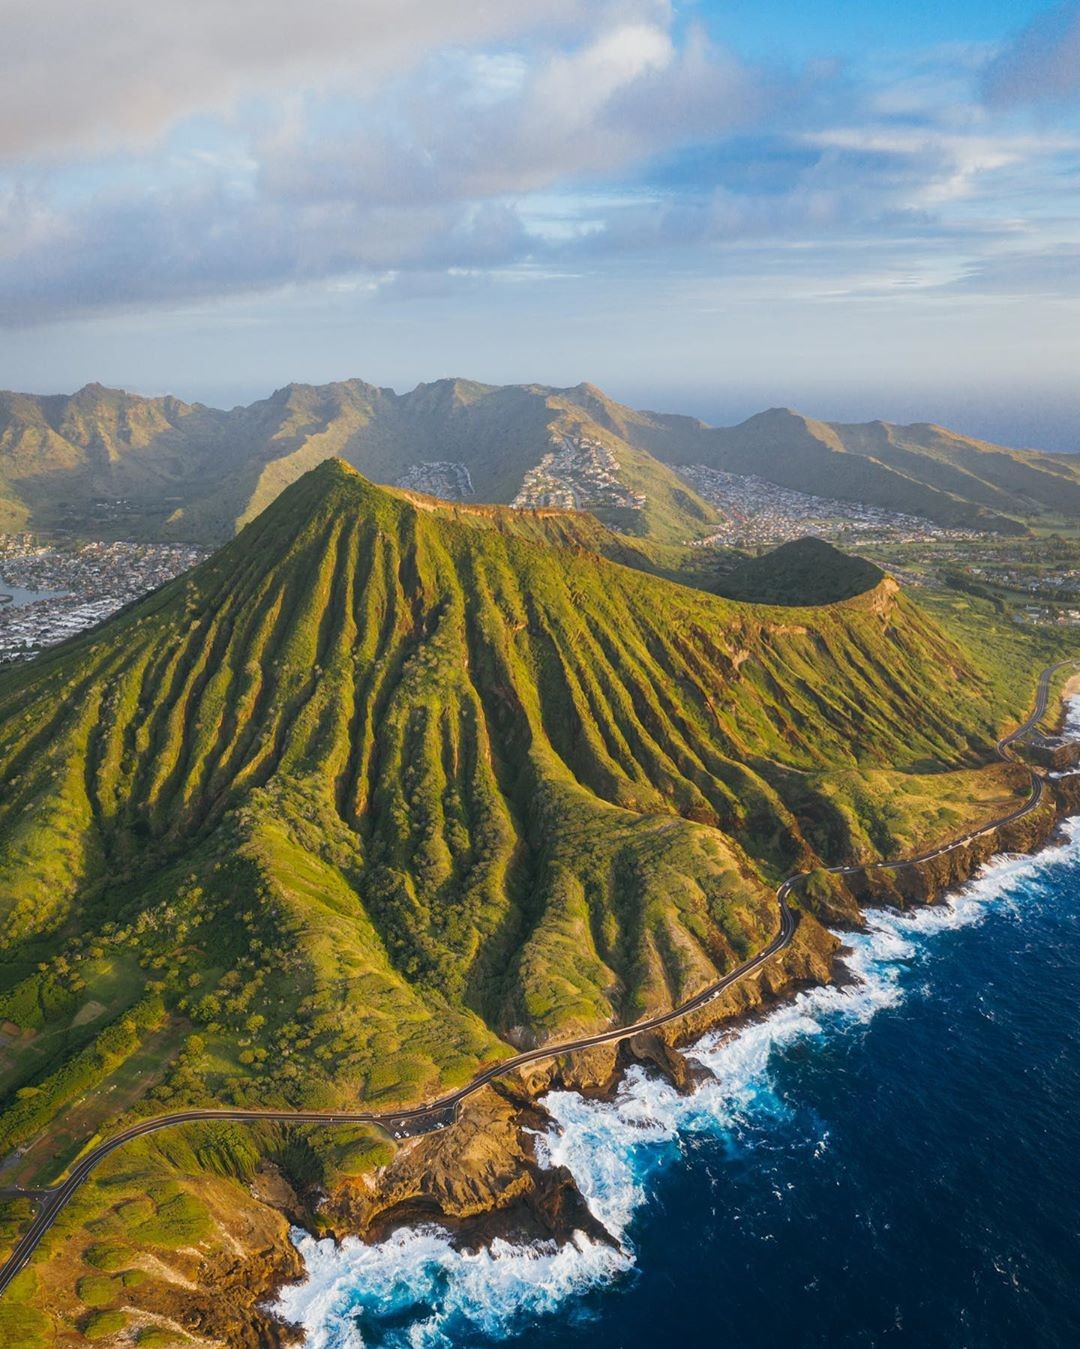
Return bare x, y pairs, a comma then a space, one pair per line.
415, 1290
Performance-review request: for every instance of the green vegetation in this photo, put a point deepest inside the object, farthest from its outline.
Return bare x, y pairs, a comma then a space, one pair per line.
22, 1323
98, 1290
36, 1105
192, 472
378, 792
107, 1256
386, 789
101, 1325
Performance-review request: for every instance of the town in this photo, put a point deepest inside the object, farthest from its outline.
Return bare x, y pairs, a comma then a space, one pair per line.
444, 478
49, 592
760, 514
578, 473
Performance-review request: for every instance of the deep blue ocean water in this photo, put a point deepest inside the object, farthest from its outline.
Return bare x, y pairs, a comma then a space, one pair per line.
894, 1164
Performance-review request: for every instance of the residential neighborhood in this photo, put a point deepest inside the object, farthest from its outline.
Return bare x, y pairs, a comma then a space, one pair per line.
49, 592
758, 513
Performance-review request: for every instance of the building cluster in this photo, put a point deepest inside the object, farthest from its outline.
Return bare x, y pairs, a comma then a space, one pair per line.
446, 478
1046, 616
48, 592
759, 513
1057, 582
578, 473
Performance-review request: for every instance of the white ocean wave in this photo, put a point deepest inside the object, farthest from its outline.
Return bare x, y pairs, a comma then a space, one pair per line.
436, 1295
417, 1291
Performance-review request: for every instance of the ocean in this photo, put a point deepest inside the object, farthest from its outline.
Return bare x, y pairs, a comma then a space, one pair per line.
893, 1163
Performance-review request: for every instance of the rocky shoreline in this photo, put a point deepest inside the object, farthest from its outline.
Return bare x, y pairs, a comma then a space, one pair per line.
481, 1179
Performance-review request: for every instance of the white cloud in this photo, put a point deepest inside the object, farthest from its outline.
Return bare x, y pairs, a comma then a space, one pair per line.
951, 165
91, 74
623, 94
634, 139
573, 89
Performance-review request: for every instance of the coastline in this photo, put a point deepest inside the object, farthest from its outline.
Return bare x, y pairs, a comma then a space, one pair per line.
482, 1182
482, 1174
420, 1287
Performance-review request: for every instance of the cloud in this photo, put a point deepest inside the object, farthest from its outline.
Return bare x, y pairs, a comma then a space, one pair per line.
634, 139
1040, 65
622, 95
204, 243
81, 75
429, 173
1050, 274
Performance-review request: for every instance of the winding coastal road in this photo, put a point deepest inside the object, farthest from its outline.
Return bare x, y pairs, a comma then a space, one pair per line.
437, 1114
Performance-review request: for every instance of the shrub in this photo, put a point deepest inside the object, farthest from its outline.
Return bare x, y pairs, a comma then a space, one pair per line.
103, 1324
106, 1256
97, 1290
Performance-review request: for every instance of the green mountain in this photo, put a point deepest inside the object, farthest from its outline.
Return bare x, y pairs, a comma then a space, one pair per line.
102, 461
921, 469
387, 788
193, 472
463, 789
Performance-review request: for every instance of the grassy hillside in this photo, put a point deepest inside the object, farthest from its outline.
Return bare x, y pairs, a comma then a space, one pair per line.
387, 788
920, 469
66, 459
917, 470
190, 472
510, 791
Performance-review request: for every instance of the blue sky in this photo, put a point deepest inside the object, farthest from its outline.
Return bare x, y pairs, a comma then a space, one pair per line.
861, 209
855, 28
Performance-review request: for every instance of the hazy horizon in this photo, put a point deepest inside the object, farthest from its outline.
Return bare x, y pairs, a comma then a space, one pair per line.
861, 210
1001, 418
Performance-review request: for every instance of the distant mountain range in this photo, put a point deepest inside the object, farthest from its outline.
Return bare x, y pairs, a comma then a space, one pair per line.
108, 462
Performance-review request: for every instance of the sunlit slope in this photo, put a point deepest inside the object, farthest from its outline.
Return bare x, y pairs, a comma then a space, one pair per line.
497, 435
921, 469
110, 462
375, 792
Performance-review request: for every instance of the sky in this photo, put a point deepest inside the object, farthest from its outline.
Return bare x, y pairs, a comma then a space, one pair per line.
860, 209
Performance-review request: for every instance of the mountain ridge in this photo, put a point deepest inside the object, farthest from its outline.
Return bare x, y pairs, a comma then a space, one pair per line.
185, 470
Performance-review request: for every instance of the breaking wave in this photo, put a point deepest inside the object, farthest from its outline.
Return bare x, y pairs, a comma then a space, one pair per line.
416, 1291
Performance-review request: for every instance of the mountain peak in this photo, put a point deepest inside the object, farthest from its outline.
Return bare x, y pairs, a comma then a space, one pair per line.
96, 392
335, 469
451, 390
330, 475
779, 414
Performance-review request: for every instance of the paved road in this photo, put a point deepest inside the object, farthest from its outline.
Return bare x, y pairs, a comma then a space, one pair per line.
437, 1114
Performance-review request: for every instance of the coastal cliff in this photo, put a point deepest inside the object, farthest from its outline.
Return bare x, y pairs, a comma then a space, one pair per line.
481, 1178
